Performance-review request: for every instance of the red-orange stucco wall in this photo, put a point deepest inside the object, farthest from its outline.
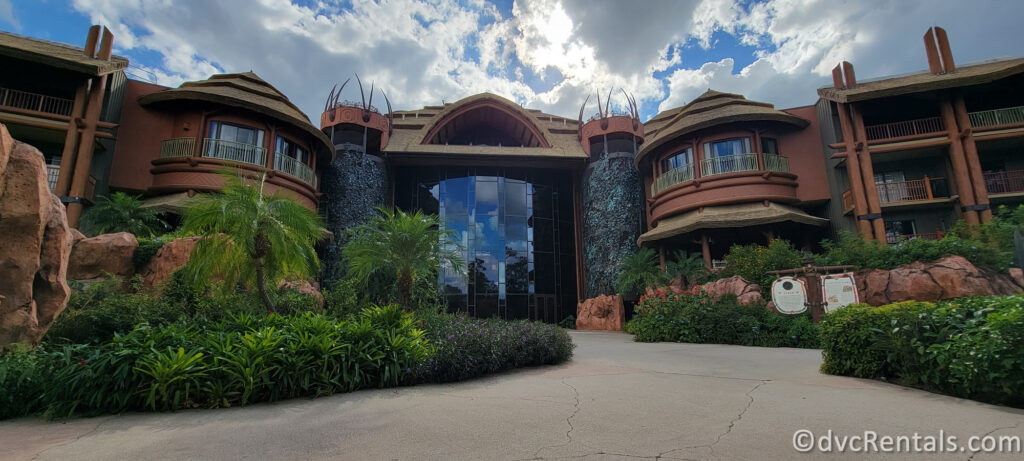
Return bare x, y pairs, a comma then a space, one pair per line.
138, 139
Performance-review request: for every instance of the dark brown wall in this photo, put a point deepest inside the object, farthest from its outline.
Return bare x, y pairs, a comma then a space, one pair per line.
806, 160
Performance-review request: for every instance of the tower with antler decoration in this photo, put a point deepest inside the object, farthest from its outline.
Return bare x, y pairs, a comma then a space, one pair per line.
612, 200
356, 182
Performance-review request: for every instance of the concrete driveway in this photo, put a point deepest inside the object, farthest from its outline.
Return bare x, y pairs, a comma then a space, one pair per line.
617, 399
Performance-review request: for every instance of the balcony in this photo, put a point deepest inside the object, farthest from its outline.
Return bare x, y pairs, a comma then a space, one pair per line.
234, 151
177, 147
671, 178
35, 102
286, 164
912, 191
905, 128
1004, 182
893, 239
728, 164
774, 162
996, 117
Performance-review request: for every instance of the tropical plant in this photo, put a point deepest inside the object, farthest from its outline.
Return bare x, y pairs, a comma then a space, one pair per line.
405, 245
639, 271
691, 268
250, 237
122, 213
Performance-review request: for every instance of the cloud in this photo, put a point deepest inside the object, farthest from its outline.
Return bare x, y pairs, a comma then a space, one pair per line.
546, 54
7, 14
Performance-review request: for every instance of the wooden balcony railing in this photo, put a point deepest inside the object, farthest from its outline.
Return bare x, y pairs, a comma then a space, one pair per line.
1004, 182
913, 190
234, 151
994, 117
728, 164
671, 178
293, 167
893, 239
178, 147
37, 102
904, 128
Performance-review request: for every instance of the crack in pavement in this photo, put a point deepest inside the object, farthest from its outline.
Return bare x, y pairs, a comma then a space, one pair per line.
77, 438
568, 420
973, 453
728, 430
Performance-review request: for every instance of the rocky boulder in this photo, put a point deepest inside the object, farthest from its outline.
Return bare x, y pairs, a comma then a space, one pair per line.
37, 245
94, 257
747, 293
306, 288
947, 278
167, 259
604, 312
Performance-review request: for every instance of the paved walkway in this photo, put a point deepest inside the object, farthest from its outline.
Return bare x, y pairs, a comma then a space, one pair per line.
617, 399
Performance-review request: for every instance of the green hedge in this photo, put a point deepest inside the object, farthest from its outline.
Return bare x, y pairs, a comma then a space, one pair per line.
696, 318
972, 347
240, 360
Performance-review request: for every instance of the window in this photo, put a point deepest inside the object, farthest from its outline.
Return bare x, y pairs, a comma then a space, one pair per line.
234, 133
680, 159
769, 146
727, 147
289, 148
892, 186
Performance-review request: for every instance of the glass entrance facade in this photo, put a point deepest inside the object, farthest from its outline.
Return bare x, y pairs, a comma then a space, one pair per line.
515, 228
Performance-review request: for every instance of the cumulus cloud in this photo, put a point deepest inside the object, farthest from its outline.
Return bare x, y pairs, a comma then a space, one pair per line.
547, 54
7, 14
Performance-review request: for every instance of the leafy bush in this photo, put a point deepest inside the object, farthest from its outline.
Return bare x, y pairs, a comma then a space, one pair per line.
242, 359
696, 318
849, 337
466, 347
985, 251
146, 250
972, 347
639, 271
752, 262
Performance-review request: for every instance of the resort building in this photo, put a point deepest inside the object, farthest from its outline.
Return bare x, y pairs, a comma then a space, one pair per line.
543, 207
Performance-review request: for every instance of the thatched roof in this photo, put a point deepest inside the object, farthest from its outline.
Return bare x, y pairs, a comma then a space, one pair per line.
245, 91
925, 81
56, 54
709, 109
728, 216
558, 134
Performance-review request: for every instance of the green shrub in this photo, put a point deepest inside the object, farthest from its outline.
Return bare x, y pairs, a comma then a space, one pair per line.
752, 262
972, 347
696, 318
146, 250
466, 347
850, 337
984, 246
97, 312
241, 359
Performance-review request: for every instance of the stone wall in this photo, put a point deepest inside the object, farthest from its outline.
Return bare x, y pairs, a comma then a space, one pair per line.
35, 248
353, 185
613, 211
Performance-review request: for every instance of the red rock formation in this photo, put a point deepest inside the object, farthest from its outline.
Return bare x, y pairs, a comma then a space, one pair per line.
167, 259
92, 258
604, 312
37, 245
947, 278
746, 292
306, 288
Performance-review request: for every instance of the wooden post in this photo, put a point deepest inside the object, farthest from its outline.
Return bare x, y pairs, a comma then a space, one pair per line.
961, 171
975, 172
86, 148
815, 301
928, 187
853, 160
705, 249
867, 173
67, 158
661, 255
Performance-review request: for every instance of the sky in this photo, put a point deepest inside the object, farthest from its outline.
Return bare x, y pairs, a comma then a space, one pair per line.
543, 54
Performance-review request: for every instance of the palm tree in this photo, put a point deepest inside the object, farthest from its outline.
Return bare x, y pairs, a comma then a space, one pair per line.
640, 271
690, 268
250, 237
407, 245
121, 213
